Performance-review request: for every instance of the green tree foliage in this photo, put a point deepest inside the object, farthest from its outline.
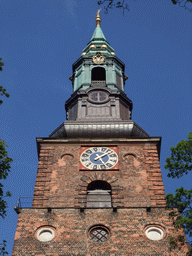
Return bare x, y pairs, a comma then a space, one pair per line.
4, 169
2, 248
123, 4
183, 3
180, 204
2, 90
5, 166
180, 161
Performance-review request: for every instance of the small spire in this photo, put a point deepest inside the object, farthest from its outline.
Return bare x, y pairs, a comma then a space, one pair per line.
98, 18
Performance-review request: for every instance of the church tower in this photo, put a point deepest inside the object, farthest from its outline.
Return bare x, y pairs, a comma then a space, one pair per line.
99, 189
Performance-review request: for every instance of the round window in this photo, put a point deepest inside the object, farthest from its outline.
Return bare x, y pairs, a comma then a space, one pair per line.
154, 233
98, 96
45, 234
99, 233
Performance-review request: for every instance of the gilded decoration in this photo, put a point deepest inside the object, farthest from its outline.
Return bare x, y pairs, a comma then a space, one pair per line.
92, 47
98, 58
98, 18
104, 46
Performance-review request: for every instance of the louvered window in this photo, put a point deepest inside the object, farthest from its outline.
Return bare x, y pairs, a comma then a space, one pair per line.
98, 198
99, 194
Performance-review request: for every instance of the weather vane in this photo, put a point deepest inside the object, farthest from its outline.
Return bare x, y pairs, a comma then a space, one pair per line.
98, 18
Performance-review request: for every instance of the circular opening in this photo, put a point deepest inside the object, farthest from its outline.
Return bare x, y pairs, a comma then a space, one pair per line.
99, 233
154, 233
45, 234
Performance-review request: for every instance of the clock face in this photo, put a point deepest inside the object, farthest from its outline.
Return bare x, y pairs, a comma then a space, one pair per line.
99, 158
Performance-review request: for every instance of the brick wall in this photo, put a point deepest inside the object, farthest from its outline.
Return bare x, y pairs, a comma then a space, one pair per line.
127, 236
138, 181
63, 187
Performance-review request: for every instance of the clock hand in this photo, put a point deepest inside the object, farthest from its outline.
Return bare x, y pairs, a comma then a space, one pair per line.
99, 158
96, 158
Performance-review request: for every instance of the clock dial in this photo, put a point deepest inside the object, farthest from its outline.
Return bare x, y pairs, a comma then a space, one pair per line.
99, 158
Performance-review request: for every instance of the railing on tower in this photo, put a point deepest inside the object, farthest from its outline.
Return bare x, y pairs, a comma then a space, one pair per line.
56, 202
98, 82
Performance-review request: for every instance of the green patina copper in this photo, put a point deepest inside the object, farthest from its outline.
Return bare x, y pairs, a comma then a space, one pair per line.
98, 34
98, 40
114, 68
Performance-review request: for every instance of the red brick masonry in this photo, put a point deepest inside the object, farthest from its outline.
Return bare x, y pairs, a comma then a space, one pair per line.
60, 185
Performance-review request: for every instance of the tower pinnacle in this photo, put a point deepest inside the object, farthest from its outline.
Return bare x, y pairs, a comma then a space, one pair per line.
98, 18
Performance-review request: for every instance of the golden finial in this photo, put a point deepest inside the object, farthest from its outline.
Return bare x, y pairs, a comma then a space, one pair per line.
98, 18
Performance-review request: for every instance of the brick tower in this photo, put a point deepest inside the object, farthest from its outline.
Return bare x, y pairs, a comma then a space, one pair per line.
99, 189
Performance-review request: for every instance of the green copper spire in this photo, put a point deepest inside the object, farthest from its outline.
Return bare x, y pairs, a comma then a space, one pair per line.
98, 41
98, 33
98, 65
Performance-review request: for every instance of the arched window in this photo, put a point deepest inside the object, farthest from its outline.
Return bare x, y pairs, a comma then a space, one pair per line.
98, 74
99, 194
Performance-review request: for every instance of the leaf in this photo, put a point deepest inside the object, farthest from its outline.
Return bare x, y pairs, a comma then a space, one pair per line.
180, 162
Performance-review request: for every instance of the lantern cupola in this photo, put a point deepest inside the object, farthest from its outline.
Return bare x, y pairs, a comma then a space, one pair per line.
98, 64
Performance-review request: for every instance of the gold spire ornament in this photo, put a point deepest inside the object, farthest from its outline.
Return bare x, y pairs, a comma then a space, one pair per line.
98, 58
98, 18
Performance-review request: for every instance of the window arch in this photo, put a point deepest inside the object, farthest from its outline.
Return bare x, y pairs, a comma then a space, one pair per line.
98, 74
99, 194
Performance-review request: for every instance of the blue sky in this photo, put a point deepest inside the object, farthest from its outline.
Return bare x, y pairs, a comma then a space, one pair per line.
39, 42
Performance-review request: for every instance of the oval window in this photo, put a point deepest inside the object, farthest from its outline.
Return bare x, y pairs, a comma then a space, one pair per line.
45, 234
98, 96
154, 233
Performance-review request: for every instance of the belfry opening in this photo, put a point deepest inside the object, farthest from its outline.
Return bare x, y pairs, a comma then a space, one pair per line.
98, 74
99, 194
